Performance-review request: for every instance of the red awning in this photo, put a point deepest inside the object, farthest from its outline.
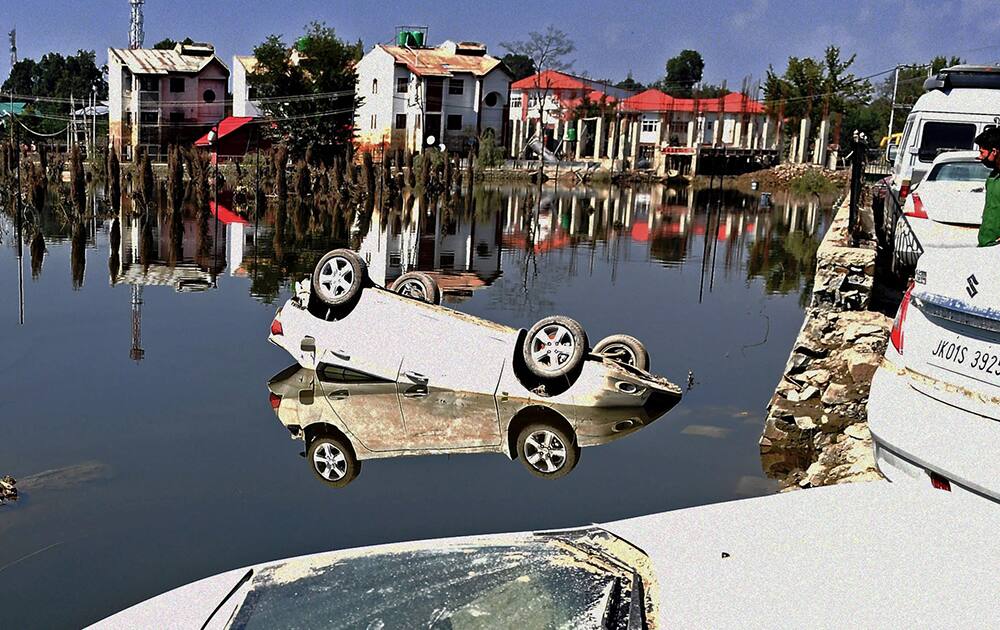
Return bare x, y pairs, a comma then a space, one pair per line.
227, 126
225, 215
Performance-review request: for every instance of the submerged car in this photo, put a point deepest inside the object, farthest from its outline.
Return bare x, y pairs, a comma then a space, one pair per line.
872, 556
340, 319
946, 208
934, 407
344, 417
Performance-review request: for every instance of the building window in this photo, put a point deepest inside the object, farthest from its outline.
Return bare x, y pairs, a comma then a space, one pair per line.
374, 121
149, 84
650, 125
395, 260
374, 86
176, 117
252, 93
402, 85
454, 122
492, 99
456, 86
515, 101
176, 84
400, 121
149, 118
209, 96
447, 260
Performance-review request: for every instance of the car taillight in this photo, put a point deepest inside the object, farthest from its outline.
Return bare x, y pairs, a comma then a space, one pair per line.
918, 211
940, 482
904, 191
275, 401
896, 336
276, 327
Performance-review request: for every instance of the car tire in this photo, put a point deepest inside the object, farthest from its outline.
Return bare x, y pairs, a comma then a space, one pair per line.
624, 349
547, 451
332, 460
554, 347
419, 286
338, 277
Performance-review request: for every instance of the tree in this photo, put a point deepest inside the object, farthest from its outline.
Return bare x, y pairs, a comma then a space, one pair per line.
58, 78
683, 72
546, 51
630, 83
169, 44
319, 82
520, 66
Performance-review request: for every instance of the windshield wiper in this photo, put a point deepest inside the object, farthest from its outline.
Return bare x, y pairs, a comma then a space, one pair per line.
243, 580
615, 613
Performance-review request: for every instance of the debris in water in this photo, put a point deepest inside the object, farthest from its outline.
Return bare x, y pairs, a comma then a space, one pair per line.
8, 489
690, 380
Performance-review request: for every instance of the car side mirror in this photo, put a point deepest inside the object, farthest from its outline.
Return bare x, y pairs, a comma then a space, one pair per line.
891, 152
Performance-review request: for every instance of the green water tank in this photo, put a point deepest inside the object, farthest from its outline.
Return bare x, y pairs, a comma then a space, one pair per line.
402, 38
571, 132
418, 39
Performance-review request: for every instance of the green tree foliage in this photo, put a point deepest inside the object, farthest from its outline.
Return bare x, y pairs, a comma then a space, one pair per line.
629, 83
319, 110
169, 44
520, 66
684, 71
58, 77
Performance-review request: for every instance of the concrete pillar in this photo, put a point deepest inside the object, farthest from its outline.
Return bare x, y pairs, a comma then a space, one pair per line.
819, 155
694, 164
717, 129
598, 137
738, 133
751, 140
574, 216
579, 138
692, 128
765, 130
622, 130
834, 158
803, 143
636, 129
793, 149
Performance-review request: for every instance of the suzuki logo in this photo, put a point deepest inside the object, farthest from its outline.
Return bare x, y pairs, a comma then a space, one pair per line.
973, 283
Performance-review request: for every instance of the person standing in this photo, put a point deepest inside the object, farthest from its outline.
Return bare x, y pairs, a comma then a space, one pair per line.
989, 155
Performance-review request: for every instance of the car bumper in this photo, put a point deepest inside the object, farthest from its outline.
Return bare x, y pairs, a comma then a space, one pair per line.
916, 435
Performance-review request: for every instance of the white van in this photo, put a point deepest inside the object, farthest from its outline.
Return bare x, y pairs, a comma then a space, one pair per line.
947, 117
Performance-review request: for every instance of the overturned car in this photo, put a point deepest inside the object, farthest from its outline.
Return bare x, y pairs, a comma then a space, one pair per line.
340, 319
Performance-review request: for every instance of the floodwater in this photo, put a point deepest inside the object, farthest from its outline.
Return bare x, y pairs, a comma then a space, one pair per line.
135, 408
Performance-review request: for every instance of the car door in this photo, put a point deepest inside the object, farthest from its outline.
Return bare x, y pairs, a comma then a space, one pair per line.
439, 420
371, 338
368, 408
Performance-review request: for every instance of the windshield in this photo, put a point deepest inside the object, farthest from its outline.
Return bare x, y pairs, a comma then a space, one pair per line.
938, 136
529, 582
973, 171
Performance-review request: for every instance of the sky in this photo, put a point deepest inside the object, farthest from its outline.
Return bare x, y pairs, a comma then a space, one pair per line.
736, 39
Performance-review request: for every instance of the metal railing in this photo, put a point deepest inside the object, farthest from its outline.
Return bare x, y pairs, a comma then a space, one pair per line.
895, 233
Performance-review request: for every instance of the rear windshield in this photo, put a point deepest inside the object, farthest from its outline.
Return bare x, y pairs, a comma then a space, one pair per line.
959, 172
938, 136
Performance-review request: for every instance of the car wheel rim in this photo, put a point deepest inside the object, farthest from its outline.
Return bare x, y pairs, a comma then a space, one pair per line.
330, 462
621, 353
544, 451
413, 289
552, 347
336, 277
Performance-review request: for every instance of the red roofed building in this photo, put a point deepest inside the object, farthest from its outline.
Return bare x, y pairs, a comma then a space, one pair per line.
415, 95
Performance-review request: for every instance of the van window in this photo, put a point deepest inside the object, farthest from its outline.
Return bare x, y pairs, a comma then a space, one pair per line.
904, 143
945, 135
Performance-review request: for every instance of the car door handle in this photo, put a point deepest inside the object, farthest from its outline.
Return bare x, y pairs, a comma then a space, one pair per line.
416, 391
416, 377
340, 394
341, 354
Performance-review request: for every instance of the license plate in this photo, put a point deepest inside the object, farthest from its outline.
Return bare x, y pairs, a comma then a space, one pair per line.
980, 362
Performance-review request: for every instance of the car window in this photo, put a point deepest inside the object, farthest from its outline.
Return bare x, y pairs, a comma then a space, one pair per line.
336, 374
945, 135
959, 172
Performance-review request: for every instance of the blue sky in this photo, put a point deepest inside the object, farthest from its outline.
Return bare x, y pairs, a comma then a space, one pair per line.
612, 37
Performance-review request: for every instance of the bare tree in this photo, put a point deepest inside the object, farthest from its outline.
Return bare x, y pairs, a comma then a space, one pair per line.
548, 51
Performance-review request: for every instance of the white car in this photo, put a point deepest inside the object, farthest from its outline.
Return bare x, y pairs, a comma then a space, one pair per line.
340, 319
946, 208
934, 407
859, 555
344, 417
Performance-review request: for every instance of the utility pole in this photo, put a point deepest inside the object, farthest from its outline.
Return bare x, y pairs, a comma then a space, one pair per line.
12, 36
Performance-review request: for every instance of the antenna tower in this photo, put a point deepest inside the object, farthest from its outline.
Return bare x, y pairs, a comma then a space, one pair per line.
136, 35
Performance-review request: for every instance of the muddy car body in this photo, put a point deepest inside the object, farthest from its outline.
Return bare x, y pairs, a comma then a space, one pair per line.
376, 418
399, 339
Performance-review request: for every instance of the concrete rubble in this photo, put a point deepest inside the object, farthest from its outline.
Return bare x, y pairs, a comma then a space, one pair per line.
782, 175
816, 430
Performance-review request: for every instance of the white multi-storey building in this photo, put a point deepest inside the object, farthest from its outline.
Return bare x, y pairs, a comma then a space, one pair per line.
412, 97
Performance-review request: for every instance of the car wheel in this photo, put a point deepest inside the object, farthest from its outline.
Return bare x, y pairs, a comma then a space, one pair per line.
332, 460
624, 349
547, 451
554, 347
338, 277
418, 286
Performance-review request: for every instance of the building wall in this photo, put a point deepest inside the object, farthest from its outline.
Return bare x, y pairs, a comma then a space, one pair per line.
115, 104
376, 65
242, 105
493, 117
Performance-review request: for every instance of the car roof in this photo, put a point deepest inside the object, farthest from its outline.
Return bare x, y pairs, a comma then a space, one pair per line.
957, 156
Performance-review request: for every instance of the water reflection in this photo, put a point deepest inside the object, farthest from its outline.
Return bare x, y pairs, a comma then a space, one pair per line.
344, 417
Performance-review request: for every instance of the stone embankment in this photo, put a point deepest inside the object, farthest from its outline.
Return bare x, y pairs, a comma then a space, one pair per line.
784, 176
816, 430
